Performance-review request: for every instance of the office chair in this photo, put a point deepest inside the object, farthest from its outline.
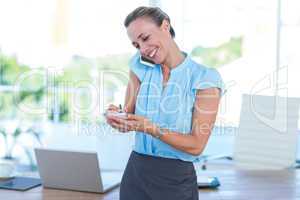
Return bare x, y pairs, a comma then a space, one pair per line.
267, 134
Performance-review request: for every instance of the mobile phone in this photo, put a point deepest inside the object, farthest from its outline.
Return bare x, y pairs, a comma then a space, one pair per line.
116, 114
147, 61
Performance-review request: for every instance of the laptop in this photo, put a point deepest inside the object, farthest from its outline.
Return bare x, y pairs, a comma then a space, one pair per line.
71, 170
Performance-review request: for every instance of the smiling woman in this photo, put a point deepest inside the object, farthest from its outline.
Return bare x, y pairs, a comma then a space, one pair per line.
172, 106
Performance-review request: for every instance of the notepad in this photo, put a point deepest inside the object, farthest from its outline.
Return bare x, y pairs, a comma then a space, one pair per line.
207, 182
20, 183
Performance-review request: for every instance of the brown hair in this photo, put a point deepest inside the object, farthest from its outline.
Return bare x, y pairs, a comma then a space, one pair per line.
154, 13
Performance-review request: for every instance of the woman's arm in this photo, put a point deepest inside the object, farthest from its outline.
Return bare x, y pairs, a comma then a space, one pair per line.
130, 98
131, 92
204, 116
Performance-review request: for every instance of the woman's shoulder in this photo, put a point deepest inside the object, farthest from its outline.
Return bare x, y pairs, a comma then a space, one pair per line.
137, 67
200, 70
135, 60
203, 77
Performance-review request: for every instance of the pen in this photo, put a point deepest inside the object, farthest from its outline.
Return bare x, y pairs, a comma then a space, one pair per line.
120, 108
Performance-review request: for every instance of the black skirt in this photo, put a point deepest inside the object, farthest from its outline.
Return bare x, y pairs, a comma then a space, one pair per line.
156, 178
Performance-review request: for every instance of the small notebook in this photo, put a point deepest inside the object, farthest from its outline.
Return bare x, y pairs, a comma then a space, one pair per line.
20, 183
207, 182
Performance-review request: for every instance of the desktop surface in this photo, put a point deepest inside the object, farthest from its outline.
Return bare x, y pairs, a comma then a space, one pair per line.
235, 185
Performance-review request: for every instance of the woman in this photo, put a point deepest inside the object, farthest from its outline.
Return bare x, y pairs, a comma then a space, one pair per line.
172, 106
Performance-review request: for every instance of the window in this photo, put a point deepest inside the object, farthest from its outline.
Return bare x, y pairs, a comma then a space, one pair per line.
63, 61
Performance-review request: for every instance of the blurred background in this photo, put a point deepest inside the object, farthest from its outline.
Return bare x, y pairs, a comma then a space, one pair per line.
63, 61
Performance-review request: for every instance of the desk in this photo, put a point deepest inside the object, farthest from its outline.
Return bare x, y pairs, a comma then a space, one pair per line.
235, 185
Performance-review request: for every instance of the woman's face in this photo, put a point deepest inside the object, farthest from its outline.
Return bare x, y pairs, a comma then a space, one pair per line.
152, 41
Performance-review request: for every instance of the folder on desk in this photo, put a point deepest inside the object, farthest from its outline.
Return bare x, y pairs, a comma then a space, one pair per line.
208, 182
20, 183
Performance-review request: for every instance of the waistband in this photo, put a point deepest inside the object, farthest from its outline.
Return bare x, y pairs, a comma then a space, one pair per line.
155, 164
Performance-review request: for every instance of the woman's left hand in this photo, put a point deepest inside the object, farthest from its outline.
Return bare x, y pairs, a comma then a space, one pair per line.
132, 123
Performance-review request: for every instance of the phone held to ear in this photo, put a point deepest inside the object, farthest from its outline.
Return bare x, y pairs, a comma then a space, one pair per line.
147, 62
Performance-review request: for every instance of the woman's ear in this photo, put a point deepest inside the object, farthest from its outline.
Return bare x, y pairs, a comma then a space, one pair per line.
165, 26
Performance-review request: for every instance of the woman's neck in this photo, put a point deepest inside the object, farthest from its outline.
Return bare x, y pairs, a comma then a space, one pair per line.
174, 58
